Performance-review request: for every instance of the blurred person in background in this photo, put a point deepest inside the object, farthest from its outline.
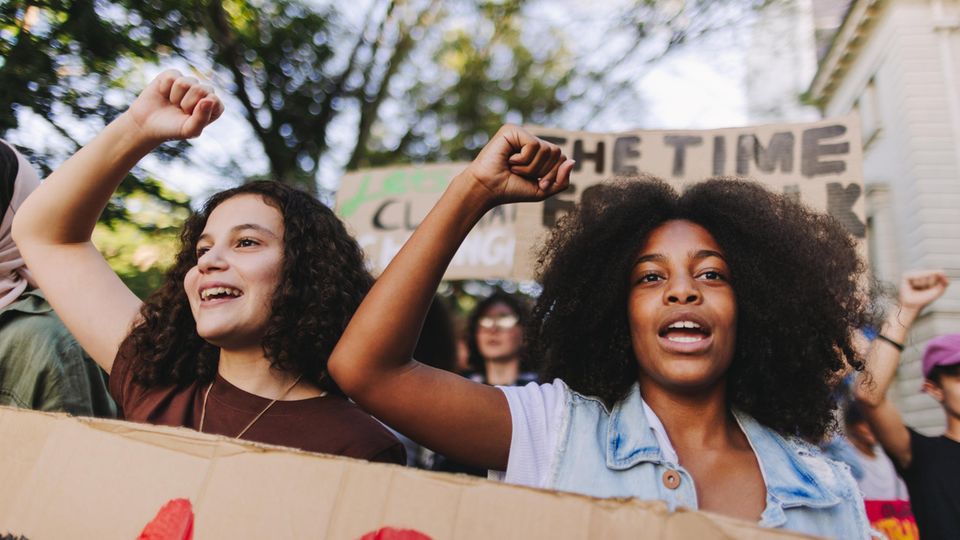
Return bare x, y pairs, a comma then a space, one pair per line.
494, 337
495, 341
930, 466
42, 366
884, 492
878, 479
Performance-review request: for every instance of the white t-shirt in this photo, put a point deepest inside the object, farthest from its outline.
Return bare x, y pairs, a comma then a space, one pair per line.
537, 412
880, 481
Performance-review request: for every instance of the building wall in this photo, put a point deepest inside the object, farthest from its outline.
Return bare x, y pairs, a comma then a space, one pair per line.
904, 79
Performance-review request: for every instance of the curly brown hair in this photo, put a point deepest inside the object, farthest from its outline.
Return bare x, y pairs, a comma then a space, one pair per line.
323, 282
796, 274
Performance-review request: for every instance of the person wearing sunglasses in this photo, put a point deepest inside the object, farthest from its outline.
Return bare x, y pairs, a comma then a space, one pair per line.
495, 345
495, 341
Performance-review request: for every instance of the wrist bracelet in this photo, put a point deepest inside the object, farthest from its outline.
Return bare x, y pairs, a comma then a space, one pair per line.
897, 345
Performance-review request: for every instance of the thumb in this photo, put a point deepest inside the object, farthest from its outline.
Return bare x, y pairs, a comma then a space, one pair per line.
200, 118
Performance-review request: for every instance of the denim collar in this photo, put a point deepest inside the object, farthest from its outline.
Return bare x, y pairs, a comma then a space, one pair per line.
790, 479
630, 439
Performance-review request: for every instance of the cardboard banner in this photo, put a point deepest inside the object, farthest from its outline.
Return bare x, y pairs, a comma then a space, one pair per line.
819, 163
66, 477
382, 207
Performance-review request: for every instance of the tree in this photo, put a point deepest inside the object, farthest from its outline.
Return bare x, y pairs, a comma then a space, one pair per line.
512, 62
56, 59
412, 80
142, 246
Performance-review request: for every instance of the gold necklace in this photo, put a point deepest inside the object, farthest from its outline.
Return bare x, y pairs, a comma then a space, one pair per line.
203, 409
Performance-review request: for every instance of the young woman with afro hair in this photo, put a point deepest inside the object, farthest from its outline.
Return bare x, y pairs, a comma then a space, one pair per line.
690, 344
235, 341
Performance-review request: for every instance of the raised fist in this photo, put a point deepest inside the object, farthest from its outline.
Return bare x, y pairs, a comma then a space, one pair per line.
921, 287
516, 166
174, 107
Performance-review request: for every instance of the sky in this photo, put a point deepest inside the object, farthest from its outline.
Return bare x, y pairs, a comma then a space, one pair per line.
693, 91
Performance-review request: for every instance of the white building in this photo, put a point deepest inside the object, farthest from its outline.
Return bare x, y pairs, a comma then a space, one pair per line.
897, 62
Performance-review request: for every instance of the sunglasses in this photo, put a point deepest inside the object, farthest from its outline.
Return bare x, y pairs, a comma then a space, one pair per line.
504, 322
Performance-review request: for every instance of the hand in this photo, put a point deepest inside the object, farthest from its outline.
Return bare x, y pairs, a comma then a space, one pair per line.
921, 287
516, 166
174, 107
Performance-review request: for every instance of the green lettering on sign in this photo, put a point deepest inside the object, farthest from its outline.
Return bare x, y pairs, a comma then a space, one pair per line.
396, 184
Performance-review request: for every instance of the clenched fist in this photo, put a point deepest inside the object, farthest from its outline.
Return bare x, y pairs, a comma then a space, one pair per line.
516, 166
921, 287
173, 106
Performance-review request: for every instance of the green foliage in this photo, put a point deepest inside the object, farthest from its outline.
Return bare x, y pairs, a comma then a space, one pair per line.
66, 59
296, 67
142, 245
485, 74
418, 80
415, 80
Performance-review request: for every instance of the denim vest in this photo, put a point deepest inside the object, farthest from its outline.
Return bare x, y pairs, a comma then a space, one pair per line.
616, 454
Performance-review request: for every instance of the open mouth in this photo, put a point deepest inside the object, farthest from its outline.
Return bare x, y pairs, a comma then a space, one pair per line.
684, 331
685, 334
219, 293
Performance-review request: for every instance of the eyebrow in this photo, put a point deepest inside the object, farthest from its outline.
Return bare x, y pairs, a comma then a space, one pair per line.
697, 255
243, 227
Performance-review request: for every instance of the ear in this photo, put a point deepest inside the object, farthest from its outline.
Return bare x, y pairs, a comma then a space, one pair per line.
933, 390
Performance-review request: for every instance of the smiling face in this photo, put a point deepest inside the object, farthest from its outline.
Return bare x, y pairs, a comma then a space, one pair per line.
682, 310
499, 336
239, 264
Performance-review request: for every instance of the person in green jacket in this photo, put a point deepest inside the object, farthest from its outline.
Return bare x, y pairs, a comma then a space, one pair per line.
42, 366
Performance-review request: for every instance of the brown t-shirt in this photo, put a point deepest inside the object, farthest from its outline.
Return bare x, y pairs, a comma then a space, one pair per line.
329, 424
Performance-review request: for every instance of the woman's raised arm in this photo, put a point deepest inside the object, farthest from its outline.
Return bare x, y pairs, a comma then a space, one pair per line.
372, 363
53, 227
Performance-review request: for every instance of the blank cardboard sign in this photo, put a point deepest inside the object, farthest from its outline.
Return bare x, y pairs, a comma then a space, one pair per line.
67, 477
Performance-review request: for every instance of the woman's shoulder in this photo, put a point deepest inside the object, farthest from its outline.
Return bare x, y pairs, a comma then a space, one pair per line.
121, 383
341, 410
359, 434
533, 392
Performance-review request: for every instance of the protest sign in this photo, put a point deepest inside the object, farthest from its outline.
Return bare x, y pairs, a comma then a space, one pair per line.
67, 477
382, 207
818, 163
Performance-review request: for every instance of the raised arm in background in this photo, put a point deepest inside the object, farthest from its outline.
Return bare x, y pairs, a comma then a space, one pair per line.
372, 363
53, 227
917, 290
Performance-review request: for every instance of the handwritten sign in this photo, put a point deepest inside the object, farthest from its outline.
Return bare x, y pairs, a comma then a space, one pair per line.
817, 163
383, 207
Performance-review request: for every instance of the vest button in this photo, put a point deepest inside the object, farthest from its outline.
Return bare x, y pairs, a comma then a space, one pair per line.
671, 479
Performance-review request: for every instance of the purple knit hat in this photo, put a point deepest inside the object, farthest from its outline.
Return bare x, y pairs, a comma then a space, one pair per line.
941, 351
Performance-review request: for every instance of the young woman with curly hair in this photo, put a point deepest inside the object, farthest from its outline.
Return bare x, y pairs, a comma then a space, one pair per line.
691, 342
235, 341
